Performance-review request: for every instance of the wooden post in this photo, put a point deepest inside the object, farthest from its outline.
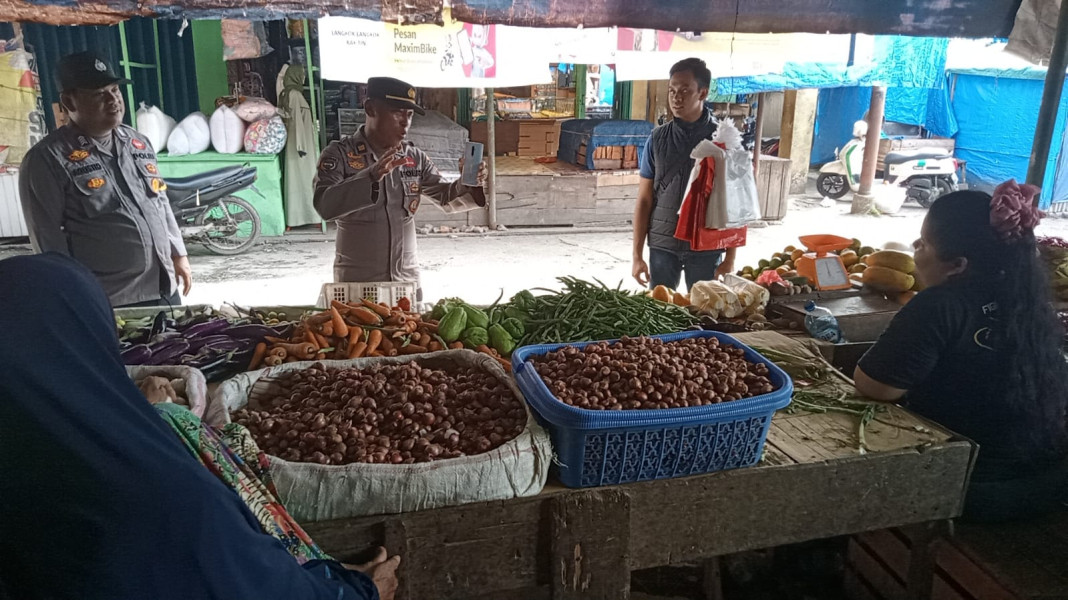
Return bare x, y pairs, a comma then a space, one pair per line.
590, 545
863, 200
1051, 101
759, 133
491, 162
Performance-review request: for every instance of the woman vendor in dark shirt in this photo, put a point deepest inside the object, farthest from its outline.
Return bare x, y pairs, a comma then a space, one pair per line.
978, 351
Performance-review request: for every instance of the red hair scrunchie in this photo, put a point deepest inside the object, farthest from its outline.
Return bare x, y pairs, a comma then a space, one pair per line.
1012, 210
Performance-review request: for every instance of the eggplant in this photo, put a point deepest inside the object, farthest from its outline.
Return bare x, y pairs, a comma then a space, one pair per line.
223, 343
207, 328
191, 320
136, 355
166, 335
252, 332
166, 354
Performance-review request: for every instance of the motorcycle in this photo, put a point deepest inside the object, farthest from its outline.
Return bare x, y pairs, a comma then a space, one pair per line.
208, 213
926, 173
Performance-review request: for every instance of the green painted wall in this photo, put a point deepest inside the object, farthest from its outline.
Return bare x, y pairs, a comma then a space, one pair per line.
211, 68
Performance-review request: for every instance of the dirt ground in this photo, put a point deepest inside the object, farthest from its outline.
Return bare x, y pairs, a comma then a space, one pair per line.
290, 271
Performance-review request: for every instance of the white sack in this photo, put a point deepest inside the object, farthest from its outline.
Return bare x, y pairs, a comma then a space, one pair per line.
191, 136
194, 387
227, 131
154, 125
314, 492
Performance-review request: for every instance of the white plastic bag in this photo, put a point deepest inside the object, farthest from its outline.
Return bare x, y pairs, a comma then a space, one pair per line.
154, 125
753, 297
743, 203
715, 298
314, 492
187, 381
227, 131
716, 216
191, 136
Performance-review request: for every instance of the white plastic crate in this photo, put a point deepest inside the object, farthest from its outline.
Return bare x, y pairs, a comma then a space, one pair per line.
389, 292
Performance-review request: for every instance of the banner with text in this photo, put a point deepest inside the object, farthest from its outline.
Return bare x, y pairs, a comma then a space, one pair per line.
458, 55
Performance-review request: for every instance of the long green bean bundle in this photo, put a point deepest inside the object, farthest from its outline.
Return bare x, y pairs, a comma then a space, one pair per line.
585, 311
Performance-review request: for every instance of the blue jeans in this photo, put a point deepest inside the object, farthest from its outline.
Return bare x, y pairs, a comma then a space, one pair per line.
666, 267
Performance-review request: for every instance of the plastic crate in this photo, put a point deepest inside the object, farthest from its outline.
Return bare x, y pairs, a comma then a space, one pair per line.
597, 447
389, 292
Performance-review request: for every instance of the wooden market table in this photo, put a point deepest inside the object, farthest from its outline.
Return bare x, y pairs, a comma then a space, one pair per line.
814, 482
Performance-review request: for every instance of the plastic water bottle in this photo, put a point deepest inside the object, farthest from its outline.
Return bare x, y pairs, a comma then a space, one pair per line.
821, 324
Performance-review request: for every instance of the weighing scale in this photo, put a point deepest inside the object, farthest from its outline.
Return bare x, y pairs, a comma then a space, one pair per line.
821, 265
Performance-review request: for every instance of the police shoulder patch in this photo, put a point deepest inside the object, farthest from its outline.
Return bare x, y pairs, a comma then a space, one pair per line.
78, 155
357, 162
328, 163
361, 147
158, 185
136, 143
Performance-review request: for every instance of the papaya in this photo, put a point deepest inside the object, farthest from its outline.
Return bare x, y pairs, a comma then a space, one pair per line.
858, 268
849, 258
662, 293
857, 277
885, 279
680, 300
782, 270
892, 259
796, 254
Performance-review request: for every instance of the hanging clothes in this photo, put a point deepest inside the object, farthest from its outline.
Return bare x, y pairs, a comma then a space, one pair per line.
302, 150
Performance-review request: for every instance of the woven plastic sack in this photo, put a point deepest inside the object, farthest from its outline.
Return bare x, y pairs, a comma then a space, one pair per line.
187, 381
715, 298
266, 137
314, 492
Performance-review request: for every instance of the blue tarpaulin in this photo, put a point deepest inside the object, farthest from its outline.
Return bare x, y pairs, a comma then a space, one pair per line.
897, 61
596, 133
992, 114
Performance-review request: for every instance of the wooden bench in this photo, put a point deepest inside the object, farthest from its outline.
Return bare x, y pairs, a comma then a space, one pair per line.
1009, 561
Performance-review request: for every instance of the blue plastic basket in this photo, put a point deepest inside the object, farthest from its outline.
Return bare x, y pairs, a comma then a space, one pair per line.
607, 447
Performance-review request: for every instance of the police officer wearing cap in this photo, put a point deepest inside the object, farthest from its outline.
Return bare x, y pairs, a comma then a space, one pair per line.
371, 184
92, 190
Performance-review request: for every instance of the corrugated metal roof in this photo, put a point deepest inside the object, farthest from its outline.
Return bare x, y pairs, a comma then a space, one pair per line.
934, 18
109, 12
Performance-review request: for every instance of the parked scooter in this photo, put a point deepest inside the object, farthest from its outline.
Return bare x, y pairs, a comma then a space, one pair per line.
207, 213
925, 174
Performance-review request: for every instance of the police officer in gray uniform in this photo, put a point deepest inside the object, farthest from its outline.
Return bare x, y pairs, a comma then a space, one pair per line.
92, 190
371, 184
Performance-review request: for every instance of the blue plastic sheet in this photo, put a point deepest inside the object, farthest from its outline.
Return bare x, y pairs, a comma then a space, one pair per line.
836, 111
997, 117
898, 61
596, 133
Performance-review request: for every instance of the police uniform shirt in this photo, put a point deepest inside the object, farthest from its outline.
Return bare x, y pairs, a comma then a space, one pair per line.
106, 207
375, 220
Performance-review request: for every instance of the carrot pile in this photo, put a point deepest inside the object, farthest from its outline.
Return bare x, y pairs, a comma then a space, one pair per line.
354, 330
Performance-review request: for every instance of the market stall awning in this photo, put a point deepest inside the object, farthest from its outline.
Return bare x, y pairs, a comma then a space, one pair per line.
933, 18
109, 12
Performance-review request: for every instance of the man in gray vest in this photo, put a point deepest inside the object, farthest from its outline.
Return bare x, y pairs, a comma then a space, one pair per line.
92, 190
665, 171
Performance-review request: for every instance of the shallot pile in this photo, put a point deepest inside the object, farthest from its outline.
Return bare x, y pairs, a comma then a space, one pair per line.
648, 373
385, 414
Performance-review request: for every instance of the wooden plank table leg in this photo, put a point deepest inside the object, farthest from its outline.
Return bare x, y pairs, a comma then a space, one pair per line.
921, 561
590, 541
711, 579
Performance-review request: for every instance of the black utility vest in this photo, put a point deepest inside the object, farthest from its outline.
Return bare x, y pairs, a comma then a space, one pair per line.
671, 145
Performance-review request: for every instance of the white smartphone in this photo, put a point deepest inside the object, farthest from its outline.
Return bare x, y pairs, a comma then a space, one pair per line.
472, 160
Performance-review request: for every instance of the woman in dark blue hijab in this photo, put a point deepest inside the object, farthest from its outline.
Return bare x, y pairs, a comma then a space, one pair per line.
98, 497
